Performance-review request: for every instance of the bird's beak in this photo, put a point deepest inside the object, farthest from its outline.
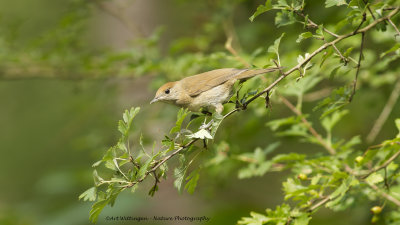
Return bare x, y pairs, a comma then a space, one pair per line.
154, 100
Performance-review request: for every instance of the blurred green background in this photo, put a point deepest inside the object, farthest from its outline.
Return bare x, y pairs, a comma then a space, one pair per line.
63, 89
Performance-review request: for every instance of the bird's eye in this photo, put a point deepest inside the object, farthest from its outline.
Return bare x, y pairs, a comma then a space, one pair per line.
167, 91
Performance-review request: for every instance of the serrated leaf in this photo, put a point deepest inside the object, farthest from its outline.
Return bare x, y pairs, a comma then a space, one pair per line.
304, 36
329, 122
97, 207
330, 3
179, 120
337, 100
284, 18
276, 124
393, 49
89, 195
144, 167
374, 178
261, 9
179, 173
217, 119
192, 181
304, 219
275, 47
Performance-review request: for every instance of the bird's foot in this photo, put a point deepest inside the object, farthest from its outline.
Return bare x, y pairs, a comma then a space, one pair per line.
206, 126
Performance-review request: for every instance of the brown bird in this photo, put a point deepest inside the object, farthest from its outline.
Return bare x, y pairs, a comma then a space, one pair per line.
207, 90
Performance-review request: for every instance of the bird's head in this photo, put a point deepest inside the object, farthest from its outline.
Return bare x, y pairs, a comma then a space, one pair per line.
167, 93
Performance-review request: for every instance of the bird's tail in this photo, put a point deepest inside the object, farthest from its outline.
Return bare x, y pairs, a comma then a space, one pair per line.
249, 73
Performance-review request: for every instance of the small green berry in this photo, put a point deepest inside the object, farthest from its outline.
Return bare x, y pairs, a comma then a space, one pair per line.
359, 159
302, 176
376, 209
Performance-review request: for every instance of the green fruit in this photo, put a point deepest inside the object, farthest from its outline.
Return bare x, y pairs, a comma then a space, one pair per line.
376, 209
302, 176
359, 159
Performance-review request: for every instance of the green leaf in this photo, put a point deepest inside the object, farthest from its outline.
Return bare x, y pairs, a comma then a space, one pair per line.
348, 52
179, 120
275, 47
192, 181
304, 36
394, 48
329, 122
261, 9
89, 195
330, 3
96, 210
337, 100
144, 167
276, 124
179, 173
217, 119
374, 178
284, 18
304, 219
340, 192
302, 86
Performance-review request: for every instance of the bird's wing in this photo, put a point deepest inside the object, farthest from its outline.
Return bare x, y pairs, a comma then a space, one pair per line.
196, 84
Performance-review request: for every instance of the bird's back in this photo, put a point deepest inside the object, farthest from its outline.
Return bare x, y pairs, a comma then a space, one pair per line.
213, 78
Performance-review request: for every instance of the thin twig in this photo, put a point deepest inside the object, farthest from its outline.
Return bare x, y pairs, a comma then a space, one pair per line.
320, 203
315, 25
358, 67
384, 194
369, 9
228, 46
385, 113
161, 162
384, 165
394, 26
364, 18
309, 126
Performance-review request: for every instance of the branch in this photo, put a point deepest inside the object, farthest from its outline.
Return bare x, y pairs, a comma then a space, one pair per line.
358, 67
384, 165
320, 203
314, 24
385, 112
384, 194
320, 49
309, 126
161, 162
395, 27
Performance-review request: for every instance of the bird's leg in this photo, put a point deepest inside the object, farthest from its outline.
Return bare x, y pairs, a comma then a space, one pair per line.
238, 104
206, 126
205, 144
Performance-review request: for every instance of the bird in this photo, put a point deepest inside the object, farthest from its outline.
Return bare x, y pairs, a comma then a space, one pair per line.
206, 91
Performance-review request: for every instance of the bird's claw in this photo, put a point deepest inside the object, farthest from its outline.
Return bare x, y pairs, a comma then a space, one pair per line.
206, 126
